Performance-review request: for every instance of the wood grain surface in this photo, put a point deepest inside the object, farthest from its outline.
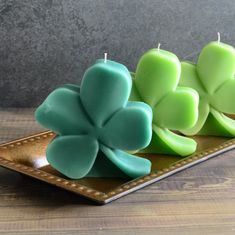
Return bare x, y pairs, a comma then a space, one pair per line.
199, 200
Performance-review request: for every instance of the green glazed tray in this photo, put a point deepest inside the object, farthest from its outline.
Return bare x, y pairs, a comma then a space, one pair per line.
27, 156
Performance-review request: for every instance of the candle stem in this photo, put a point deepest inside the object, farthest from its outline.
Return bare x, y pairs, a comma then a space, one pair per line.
158, 46
105, 57
218, 37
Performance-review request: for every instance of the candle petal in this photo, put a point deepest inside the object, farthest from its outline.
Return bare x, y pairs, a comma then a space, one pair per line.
203, 111
131, 165
66, 154
224, 97
130, 128
184, 116
189, 78
218, 124
62, 112
156, 75
105, 88
166, 142
221, 60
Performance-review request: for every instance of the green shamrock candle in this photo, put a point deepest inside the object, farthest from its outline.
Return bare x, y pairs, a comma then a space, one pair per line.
213, 78
95, 124
174, 108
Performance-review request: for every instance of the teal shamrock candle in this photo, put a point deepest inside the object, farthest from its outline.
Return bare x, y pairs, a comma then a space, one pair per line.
174, 108
213, 78
95, 124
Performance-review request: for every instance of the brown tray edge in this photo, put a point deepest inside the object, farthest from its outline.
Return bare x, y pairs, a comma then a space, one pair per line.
101, 197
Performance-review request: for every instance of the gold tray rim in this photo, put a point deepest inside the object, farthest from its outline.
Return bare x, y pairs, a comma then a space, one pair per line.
120, 191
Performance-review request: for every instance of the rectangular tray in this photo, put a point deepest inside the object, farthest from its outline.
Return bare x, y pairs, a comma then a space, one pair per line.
27, 156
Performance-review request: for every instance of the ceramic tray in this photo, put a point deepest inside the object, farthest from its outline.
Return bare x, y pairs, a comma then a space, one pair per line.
27, 156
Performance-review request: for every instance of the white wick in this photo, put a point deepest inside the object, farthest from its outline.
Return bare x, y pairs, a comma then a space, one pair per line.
158, 46
105, 57
218, 37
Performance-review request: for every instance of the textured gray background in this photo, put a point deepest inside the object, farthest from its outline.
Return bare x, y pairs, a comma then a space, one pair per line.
46, 43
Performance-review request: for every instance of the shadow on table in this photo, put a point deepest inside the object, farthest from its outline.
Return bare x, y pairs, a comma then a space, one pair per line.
24, 188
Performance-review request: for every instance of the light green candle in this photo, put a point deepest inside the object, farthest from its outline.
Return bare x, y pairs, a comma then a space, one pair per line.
213, 78
174, 108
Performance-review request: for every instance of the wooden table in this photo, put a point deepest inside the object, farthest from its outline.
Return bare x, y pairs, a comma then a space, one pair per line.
200, 200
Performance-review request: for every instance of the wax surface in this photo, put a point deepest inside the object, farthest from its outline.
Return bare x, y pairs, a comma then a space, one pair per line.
213, 78
95, 124
174, 108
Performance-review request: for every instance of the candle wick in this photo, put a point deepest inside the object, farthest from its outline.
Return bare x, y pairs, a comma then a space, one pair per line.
105, 57
158, 46
218, 37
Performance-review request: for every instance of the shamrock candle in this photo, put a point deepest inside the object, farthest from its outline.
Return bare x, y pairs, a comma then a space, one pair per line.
174, 108
95, 124
213, 78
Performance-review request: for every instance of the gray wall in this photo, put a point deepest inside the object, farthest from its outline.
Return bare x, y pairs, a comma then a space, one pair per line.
46, 43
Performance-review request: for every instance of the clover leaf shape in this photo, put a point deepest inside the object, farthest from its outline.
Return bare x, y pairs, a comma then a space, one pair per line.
174, 108
213, 78
95, 124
